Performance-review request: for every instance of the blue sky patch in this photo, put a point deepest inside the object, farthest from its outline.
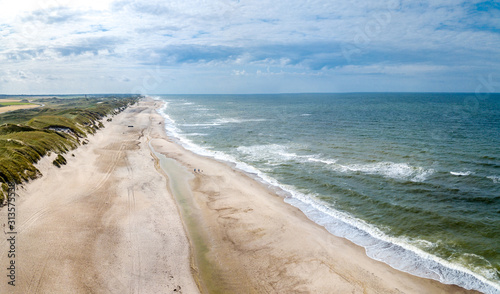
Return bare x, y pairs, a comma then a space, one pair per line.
249, 46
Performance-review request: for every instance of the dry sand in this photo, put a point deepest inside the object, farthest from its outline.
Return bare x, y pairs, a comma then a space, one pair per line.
259, 244
107, 223
104, 223
16, 107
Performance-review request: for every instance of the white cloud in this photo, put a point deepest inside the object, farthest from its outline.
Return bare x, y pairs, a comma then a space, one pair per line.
392, 69
239, 72
76, 41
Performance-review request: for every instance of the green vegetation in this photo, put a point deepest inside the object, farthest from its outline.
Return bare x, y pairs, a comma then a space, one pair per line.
60, 160
60, 126
14, 103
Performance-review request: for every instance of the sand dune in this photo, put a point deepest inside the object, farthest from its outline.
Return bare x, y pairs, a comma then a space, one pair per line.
107, 222
104, 223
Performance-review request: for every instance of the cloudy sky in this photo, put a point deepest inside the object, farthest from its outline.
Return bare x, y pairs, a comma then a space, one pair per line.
248, 46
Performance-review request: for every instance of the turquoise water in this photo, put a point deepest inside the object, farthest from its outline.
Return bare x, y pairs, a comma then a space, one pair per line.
413, 178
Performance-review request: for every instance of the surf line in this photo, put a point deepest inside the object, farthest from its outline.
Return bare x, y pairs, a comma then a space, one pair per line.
11, 233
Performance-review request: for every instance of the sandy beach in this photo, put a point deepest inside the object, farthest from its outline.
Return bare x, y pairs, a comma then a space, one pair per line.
16, 107
110, 222
103, 223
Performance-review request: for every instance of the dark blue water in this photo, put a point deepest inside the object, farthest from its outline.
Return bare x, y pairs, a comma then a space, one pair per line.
414, 178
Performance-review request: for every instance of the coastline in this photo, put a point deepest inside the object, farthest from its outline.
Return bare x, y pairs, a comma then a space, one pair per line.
108, 222
258, 243
103, 223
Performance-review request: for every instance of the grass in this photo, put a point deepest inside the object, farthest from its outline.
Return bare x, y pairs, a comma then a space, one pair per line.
60, 160
14, 103
56, 123
60, 126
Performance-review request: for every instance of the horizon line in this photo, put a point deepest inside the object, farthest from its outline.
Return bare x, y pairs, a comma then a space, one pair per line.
271, 93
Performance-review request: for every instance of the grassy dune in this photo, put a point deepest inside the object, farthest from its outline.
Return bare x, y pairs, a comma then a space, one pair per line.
7, 105
62, 125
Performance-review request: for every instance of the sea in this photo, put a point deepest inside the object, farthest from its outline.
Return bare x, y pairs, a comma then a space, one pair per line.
414, 178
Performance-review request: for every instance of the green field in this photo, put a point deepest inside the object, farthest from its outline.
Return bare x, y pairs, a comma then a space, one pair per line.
61, 125
2, 104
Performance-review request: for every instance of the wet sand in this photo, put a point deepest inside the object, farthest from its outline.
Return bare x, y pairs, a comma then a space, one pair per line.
251, 241
103, 223
108, 222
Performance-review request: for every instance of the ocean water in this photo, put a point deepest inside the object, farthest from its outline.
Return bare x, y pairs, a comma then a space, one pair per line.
413, 178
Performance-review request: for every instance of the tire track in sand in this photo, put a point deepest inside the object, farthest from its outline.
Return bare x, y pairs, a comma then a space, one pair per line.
135, 278
38, 271
37, 215
136, 274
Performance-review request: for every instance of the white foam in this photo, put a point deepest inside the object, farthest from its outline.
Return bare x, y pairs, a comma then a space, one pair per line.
196, 134
422, 243
325, 161
266, 152
392, 251
396, 252
230, 120
273, 154
461, 174
219, 122
495, 179
201, 125
173, 131
469, 258
399, 171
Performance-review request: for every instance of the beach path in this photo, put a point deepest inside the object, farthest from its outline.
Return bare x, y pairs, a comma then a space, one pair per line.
103, 223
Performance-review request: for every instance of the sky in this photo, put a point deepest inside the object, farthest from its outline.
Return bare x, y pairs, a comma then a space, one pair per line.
242, 46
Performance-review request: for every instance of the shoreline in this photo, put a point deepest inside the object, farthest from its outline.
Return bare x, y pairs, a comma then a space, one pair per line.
241, 234
110, 221
104, 222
